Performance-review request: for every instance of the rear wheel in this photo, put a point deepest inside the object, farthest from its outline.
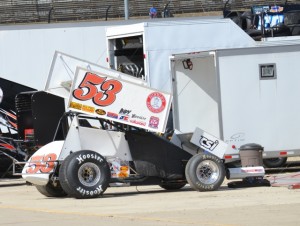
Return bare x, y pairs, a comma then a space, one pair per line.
205, 172
172, 186
84, 174
51, 190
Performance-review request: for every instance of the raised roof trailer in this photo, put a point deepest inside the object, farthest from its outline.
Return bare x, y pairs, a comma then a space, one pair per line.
241, 95
33, 45
143, 49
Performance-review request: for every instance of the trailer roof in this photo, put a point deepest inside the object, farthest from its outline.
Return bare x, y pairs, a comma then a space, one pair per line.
277, 44
215, 24
99, 23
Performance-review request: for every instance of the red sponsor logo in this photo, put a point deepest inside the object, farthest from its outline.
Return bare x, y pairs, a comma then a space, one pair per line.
138, 122
153, 122
156, 102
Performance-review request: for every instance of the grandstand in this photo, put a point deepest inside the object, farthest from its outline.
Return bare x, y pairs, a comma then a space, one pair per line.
45, 11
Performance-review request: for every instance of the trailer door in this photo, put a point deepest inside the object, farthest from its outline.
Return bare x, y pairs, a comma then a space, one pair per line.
195, 93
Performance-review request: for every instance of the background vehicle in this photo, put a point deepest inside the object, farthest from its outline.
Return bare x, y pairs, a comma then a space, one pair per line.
11, 148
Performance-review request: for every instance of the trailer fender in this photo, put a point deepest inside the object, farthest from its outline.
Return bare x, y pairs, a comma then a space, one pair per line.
42, 163
84, 174
205, 172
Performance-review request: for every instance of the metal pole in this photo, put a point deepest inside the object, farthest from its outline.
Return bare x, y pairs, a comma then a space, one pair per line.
126, 9
106, 14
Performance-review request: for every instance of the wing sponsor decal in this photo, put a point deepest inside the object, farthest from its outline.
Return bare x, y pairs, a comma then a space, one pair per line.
156, 102
106, 96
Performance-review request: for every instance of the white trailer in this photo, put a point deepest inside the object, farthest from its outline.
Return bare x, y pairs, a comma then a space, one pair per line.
143, 49
241, 95
31, 46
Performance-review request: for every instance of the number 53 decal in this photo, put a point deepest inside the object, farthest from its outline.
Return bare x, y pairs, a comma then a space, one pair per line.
103, 97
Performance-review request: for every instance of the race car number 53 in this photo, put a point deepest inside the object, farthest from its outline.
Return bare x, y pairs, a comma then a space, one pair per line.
87, 89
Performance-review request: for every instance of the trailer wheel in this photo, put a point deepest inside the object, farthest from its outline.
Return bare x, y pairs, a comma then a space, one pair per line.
205, 172
172, 186
50, 190
275, 162
84, 174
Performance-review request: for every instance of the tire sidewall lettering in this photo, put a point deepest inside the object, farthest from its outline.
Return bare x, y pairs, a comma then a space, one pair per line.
79, 189
192, 177
82, 157
95, 191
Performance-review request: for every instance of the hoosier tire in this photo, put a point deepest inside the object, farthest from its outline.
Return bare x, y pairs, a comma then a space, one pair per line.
205, 172
50, 190
172, 186
84, 174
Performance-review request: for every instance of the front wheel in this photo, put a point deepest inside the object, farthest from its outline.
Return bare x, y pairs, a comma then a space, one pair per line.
205, 172
84, 174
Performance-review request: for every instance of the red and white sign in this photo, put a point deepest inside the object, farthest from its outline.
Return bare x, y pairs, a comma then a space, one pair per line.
115, 99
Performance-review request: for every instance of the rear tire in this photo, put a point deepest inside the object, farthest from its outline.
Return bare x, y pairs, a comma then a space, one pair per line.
275, 162
84, 174
49, 190
205, 172
172, 186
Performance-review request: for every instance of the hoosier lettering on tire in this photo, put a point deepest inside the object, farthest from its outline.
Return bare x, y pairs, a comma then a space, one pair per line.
205, 172
84, 174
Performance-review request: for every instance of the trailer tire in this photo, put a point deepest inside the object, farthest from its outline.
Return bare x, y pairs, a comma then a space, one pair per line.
205, 172
172, 186
275, 162
49, 190
84, 174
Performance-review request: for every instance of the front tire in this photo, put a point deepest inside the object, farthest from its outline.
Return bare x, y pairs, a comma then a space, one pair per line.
84, 174
205, 172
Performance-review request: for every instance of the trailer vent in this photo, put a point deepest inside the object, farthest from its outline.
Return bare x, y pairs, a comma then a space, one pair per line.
267, 71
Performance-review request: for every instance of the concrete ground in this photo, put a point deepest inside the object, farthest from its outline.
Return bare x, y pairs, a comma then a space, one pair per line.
23, 205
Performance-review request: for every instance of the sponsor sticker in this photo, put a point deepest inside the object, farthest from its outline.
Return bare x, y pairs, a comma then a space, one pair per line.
135, 116
100, 111
75, 105
124, 117
138, 122
153, 122
156, 102
112, 115
88, 109
124, 111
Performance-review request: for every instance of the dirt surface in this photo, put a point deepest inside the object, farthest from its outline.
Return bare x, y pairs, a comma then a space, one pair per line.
151, 205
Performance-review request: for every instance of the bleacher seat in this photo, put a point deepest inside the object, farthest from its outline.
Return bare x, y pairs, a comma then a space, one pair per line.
37, 11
